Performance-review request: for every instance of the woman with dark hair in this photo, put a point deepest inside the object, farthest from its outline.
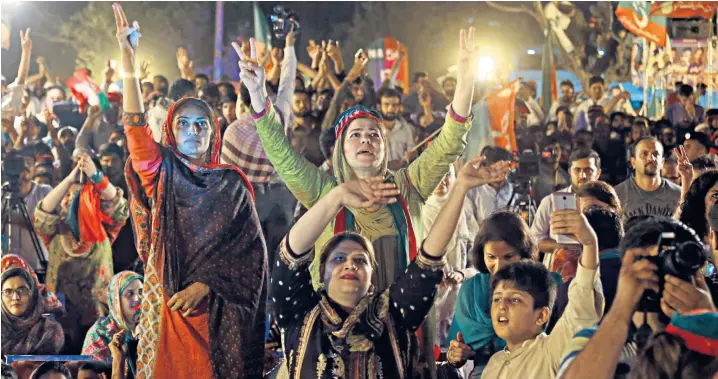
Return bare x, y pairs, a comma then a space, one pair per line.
51, 302
348, 328
701, 196
51, 370
198, 235
503, 238
25, 331
598, 193
361, 151
78, 221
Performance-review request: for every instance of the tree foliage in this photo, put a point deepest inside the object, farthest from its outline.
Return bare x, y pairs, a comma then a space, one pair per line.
584, 61
430, 30
91, 33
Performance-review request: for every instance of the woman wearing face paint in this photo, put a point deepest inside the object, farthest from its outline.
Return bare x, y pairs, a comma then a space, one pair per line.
125, 296
360, 153
348, 328
203, 308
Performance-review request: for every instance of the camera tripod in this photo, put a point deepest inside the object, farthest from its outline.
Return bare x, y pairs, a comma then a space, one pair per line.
12, 204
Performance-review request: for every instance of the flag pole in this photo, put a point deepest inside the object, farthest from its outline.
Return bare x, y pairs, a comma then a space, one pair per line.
218, 40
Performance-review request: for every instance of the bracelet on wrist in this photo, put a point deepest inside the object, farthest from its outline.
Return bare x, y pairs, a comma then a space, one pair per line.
96, 178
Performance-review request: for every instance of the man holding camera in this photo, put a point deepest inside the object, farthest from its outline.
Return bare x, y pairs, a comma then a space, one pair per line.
18, 172
607, 350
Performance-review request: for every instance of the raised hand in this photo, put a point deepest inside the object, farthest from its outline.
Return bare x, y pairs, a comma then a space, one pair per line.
364, 193
685, 168
109, 71
468, 55
573, 223
86, 164
465, 74
291, 38
94, 112
323, 64
313, 50
123, 31
26, 41
251, 71
333, 51
184, 64
118, 350
474, 174
144, 70
361, 60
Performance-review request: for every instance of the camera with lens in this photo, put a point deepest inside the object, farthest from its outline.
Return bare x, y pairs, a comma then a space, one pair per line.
681, 260
282, 21
529, 164
13, 165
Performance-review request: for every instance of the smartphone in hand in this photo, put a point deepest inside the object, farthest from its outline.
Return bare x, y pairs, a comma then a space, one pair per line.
563, 201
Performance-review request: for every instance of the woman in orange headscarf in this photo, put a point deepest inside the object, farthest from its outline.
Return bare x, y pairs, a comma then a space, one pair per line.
197, 231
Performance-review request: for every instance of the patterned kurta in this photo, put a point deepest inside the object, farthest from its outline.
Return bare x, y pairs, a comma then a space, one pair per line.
80, 270
376, 340
195, 224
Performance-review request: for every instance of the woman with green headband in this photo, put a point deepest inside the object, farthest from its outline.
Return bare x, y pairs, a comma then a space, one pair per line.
360, 153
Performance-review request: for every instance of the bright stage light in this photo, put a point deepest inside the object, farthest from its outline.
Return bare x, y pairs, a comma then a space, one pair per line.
486, 68
531, 52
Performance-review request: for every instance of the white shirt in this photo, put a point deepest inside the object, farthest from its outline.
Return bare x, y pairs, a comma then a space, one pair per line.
399, 139
485, 200
540, 227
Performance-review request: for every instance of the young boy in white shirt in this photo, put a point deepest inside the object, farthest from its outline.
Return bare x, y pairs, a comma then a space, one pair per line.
522, 297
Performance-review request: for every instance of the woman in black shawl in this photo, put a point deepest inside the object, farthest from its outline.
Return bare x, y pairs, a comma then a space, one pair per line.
203, 310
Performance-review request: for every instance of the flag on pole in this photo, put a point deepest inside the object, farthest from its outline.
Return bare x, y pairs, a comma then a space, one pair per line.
262, 33
502, 106
383, 54
86, 91
547, 75
636, 18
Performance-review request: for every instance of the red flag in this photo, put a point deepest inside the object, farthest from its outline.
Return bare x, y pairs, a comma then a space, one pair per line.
554, 83
502, 105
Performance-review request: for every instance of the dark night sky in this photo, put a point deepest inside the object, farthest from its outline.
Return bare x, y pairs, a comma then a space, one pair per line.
520, 32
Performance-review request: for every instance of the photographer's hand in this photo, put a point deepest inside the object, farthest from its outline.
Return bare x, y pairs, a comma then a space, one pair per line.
681, 296
635, 277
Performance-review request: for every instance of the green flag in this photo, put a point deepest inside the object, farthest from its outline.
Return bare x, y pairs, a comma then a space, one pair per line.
262, 33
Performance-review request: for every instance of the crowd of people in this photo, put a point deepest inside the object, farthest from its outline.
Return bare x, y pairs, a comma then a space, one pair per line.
340, 228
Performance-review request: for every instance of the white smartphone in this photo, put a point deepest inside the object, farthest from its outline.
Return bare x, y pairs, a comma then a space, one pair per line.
562, 201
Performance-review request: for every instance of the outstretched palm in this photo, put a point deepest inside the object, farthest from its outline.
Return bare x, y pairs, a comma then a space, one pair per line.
123, 30
364, 193
468, 54
251, 72
475, 174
